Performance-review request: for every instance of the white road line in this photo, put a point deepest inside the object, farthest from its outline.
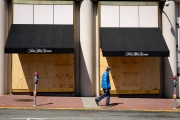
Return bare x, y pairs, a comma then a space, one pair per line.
30, 118
55, 118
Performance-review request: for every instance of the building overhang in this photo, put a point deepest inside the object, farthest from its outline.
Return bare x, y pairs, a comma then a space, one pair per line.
136, 42
41, 39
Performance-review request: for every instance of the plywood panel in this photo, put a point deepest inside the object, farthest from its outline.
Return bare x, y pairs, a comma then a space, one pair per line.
18, 75
148, 16
132, 73
129, 16
45, 90
23, 14
43, 14
63, 14
55, 71
109, 16
133, 91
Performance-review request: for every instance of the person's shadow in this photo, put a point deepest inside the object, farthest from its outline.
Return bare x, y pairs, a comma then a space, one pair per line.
44, 104
115, 104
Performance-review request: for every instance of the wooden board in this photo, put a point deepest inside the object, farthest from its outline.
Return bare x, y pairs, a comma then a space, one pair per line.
133, 91
132, 73
55, 71
45, 90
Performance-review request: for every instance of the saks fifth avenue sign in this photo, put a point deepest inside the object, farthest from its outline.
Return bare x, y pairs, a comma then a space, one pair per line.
136, 54
38, 50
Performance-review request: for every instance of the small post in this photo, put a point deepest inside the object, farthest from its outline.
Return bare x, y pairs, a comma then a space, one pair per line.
174, 94
36, 76
35, 95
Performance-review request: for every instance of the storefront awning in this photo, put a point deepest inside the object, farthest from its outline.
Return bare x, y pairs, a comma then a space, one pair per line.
40, 39
147, 42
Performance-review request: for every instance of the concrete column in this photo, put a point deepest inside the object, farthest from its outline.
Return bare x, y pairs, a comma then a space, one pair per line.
178, 44
169, 33
96, 48
2, 41
86, 48
77, 38
8, 58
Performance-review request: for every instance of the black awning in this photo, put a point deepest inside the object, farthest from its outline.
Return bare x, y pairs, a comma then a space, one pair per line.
147, 42
40, 39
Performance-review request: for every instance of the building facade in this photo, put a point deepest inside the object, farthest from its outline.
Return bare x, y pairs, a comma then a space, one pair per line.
70, 43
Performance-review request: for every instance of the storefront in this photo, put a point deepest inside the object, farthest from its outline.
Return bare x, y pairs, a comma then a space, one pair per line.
41, 39
133, 45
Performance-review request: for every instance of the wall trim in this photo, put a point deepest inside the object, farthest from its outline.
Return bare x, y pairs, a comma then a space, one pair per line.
66, 2
129, 3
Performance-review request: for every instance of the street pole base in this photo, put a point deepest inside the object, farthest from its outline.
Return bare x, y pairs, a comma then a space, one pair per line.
174, 108
34, 105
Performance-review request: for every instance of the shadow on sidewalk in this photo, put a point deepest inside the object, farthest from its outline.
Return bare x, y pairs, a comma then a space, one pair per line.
113, 104
44, 104
23, 100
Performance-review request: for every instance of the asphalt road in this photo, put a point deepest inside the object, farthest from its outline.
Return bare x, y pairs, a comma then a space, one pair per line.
9, 114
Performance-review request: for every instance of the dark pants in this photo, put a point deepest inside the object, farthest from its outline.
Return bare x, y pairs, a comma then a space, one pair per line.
106, 94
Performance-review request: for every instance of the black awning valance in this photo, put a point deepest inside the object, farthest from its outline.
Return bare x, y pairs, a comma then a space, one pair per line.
147, 42
41, 39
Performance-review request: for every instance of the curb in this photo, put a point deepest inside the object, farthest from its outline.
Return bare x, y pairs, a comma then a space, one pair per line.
90, 109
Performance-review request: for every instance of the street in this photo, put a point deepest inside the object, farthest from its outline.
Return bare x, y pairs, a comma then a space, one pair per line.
10, 114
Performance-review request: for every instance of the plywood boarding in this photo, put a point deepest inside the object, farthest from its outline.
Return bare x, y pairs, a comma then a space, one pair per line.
133, 91
132, 73
45, 90
55, 71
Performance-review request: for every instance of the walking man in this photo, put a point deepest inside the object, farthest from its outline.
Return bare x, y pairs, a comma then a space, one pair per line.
106, 86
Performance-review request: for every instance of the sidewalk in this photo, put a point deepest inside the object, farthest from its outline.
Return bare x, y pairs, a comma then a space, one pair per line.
87, 103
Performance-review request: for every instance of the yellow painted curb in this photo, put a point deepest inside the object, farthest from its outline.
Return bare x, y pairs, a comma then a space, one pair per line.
97, 109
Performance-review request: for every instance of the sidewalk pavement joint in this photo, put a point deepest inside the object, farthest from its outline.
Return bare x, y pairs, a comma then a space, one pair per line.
89, 102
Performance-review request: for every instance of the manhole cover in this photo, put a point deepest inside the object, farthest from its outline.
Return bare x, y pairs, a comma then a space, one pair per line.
23, 100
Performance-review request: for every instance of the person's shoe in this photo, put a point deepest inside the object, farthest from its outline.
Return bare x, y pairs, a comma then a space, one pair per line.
108, 105
97, 102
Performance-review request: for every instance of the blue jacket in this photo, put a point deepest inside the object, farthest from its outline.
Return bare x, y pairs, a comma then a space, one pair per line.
105, 81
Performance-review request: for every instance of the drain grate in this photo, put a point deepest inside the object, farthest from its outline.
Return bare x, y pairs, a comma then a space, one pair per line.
23, 100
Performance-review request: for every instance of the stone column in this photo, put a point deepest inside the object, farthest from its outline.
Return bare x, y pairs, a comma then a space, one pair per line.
169, 33
2, 42
86, 48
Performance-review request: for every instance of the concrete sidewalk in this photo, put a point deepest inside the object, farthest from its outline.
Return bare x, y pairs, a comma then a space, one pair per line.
88, 103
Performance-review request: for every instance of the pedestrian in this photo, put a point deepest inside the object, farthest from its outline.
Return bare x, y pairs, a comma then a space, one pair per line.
106, 86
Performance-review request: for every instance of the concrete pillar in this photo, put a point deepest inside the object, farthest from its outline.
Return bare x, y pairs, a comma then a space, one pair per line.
96, 48
77, 41
169, 33
86, 48
178, 45
2, 42
8, 59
